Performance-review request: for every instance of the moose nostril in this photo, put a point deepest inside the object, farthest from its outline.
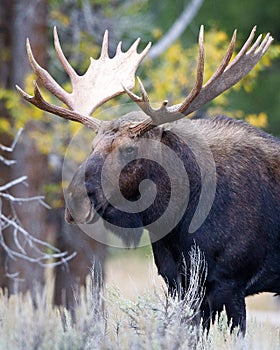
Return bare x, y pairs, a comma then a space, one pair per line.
68, 217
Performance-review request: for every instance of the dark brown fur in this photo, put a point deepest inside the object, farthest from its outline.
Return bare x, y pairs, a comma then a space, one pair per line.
240, 237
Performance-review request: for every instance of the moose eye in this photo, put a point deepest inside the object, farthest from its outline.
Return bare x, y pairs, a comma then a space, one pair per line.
128, 153
130, 150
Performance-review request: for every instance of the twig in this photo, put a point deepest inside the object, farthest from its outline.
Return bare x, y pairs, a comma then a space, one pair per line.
26, 234
64, 258
7, 162
12, 147
21, 237
13, 183
19, 199
177, 28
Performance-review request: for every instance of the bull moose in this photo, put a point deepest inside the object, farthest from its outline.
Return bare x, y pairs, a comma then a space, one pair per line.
213, 182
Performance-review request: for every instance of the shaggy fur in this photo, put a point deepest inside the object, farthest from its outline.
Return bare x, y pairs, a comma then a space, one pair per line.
240, 237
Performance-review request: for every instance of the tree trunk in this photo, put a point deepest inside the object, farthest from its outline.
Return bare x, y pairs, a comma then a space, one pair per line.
89, 259
20, 19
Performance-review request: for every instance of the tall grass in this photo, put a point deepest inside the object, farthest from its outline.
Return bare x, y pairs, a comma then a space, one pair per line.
103, 319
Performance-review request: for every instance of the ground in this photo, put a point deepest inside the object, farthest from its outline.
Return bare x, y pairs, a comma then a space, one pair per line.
133, 272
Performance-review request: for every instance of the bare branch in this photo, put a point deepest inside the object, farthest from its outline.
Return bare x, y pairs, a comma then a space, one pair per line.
40, 252
21, 200
12, 147
13, 183
42, 258
7, 162
177, 28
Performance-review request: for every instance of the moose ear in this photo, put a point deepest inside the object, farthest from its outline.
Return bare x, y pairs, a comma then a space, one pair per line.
155, 133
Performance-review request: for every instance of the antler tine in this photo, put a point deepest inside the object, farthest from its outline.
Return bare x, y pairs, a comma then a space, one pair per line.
264, 45
256, 44
104, 50
146, 50
119, 48
144, 96
135, 45
38, 101
51, 85
240, 66
46, 78
227, 74
246, 46
64, 62
144, 104
200, 73
100, 83
157, 116
224, 62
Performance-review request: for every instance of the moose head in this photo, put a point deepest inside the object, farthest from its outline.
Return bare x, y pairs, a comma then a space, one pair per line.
121, 146
186, 181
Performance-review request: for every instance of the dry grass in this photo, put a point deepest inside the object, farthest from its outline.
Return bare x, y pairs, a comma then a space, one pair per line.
134, 272
128, 317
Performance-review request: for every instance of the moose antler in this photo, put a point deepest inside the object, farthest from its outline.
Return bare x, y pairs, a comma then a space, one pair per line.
102, 81
108, 77
227, 74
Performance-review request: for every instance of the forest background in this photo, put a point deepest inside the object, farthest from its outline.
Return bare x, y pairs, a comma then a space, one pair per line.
170, 74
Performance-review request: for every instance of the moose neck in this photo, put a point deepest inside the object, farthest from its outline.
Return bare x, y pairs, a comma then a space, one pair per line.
186, 200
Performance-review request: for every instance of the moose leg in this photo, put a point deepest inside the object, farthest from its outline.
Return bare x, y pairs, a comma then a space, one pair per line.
205, 314
232, 298
166, 266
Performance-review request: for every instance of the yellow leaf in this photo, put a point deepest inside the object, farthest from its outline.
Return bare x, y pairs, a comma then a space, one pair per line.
258, 120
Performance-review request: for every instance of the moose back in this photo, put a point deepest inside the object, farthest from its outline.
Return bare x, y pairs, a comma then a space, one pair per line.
211, 182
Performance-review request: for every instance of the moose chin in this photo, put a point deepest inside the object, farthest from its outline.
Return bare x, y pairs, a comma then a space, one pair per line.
135, 176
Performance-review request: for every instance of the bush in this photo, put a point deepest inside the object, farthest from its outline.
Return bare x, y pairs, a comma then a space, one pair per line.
103, 319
